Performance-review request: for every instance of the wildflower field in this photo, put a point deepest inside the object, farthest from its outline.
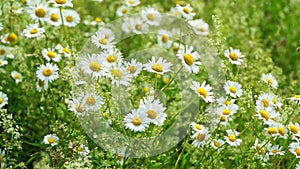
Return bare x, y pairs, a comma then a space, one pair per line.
149, 84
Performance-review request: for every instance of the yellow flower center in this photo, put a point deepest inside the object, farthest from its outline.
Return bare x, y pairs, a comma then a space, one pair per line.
1, 100
200, 137
2, 52
80, 149
34, 31
186, 10
146, 89
51, 54
17, 76
69, 18
202, 92
272, 130
164, 38
111, 58
40, 12
201, 29
261, 151
188, 59
274, 100
51, 140
232, 89
61, 1
275, 151
124, 11
90, 101
166, 80
297, 151
117, 73
131, 2
265, 102
297, 96
136, 121
227, 102
226, 112
232, 138
269, 80
199, 127
217, 144
103, 41
131, 69
95, 66
294, 129
151, 16
152, 114
233, 56
12, 38
223, 118
264, 114
119, 157
158, 67
66, 50
24, 2
106, 115
138, 27
79, 108
281, 131
98, 20
54, 17
47, 72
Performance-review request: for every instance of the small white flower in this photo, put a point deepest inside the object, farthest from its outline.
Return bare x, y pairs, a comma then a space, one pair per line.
270, 79
80, 148
160, 66
77, 106
225, 101
123, 10
50, 54
200, 27
104, 38
189, 58
134, 67
139, 26
63, 50
261, 150
265, 100
54, 17
231, 138
186, 11
92, 102
119, 75
154, 110
39, 12
17, 76
294, 129
200, 138
33, 31
2, 156
217, 144
151, 16
295, 98
113, 56
61, 3
197, 127
227, 110
132, 2
164, 38
234, 56
3, 61
3, 99
47, 73
203, 91
41, 85
70, 18
51, 139
295, 149
275, 150
94, 66
136, 121
234, 89
266, 114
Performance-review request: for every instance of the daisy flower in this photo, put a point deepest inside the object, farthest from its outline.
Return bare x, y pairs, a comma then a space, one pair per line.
39, 12
133, 67
294, 129
203, 91
160, 66
189, 58
9, 38
276, 103
234, 56
51, 139
136, 121
272, 130
228, 110
234, 89
33, 30
154, 110
295, 149
265, 100
97, 21
104, 38
41, 85
217, 144
123, 10
151, 16
225, 101
186, 11
2, 156
261, 151
47, 73
119, 75
282, 131
231, 138
295, 98
132, 2
3, 61
139, 26
17, 76
224, 120
3, 99
54, 17
92, 102
79, 148
3, 52
199, 26
121, 156
200, 138
128, 24
50, 54
113, 56
275, 150
77, 105
164, 38
266, 114
94, 65
174, 11
63, 50
197, 127
61, 3
270, 80
70, 18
